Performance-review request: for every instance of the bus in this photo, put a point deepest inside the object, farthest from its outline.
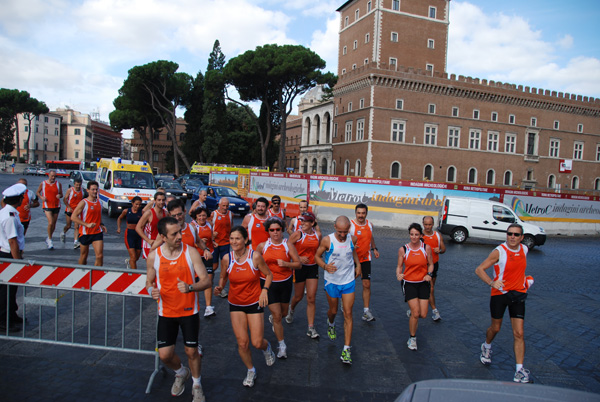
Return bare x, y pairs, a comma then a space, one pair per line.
64, 168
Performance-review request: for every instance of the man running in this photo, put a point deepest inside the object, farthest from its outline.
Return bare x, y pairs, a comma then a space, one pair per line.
509, 289
200, 202
337, 256
222, 221
275, 209
434, 240
30, 200
363, 230
253, 223
295, 223
88, 215
147, 226
171, 270
72, 198
50, 192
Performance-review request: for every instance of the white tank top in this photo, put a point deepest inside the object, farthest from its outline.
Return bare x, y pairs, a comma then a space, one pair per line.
340, 254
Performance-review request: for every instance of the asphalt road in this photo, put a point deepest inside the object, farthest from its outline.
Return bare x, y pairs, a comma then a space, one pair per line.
562, 334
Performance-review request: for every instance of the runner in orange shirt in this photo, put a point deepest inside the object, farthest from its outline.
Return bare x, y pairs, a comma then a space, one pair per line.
147, 225
254, 223
275, 209
171, 270
509, 289
49, 193
200, 216
30, 200
72, 198
222, 221
295, 223
88, 215
434, 240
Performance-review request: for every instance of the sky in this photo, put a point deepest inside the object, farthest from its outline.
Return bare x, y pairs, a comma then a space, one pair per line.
77, 53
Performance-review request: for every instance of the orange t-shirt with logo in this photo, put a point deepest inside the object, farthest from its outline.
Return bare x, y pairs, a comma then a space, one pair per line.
273, 252
363, 234
172, 302
244, 281
92, 213
433, 241
510, 268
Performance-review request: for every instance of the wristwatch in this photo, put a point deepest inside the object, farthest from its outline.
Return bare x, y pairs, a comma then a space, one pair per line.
190, 288
430, 274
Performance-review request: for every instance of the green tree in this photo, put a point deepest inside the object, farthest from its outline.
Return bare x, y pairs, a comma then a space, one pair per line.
275, 75
192, 143
35, 108
214, 109
12, 103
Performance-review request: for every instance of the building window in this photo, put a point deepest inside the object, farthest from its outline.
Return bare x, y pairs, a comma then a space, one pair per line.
580, 128
393, 62
454, 137
430, 134
575, 183
554, 148
357, 168
398, 128
347, 168
455, 112
346, 21
355, 45
349, 106
26, 129
475, 139
335, 130
36, 146
395, 170
430, 43
428, 173
551, 181
156, 135
348, 135
493, 141
362, 103
451, 175
429, 67
354, 66
155, 156
343, 71
357, 14
368, 6
45, 119
76, 154
533, 122
76, 142
344, 50
476, 114
578, 150
510, 145
597, 184
366, 61
532, 142
597, 152
508, 178
399, 104
367, 38
56, 121
360, 130
494, 116
490, 177
396, 5
394, 37
472, 179
432, 11
55, 131
45, 130
556, 124
431, 108
511, 119
77, 131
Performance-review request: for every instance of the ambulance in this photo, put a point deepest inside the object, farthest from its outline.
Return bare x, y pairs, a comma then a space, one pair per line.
120, 180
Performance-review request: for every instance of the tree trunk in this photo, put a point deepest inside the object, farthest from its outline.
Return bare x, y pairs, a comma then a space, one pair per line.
282, 133
16, 118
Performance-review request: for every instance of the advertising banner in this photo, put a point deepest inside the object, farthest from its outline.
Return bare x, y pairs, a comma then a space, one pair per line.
554, 209
287, 187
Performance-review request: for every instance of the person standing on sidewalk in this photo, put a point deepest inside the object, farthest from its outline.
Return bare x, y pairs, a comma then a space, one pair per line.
50, 192
415, 257
509, 289
12, 244
171, 270
88, 215
72, 198
30, 200
363, 230
434, 240
337, 256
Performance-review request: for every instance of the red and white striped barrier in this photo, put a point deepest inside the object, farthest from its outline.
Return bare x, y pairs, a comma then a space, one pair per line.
73, 278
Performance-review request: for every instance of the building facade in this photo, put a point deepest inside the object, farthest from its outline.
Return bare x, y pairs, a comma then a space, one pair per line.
106, 142
42, 137
76, 135
161, 144
398, 114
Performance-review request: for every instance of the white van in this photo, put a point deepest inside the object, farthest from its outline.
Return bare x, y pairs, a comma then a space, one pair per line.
473, 217
120, 180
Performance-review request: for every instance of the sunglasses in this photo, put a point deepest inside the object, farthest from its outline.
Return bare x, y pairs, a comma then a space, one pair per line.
179, 215
275, 230
513, 234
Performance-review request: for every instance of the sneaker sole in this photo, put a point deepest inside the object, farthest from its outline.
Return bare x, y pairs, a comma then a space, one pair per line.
484, 362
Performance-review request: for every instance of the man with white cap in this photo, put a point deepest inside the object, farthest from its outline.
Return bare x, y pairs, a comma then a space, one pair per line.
12, 243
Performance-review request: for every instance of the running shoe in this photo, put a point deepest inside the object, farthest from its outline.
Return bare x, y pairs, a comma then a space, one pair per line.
408, 313
209, 311
223, 294
522, 376
367, 316
76, 245
249, 380
62, 237
179, 384
289, 318
312, 332
269, 355
49, 244
331, 331
412, 343
346, 357
435, 315
282, 352
198, 394
486, 355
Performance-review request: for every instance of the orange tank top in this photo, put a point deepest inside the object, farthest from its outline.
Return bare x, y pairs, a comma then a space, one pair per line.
25, 214
189, 235
273, 252
415, 263
511, 269
256, 231
92, 213
244, 281
74, 197
50, 193
205, 233
433, 241
363, 234
307, 246
222, 225
172, 302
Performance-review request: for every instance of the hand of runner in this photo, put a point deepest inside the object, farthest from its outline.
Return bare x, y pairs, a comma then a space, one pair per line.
182, 286
331, 268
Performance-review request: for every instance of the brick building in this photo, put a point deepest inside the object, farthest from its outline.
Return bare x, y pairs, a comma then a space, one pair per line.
107, 143
398, 114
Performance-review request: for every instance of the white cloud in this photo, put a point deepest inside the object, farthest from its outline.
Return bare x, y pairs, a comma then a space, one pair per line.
566, 42
325, 44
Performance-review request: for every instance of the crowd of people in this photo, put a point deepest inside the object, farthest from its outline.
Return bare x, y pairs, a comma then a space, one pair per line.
262, 266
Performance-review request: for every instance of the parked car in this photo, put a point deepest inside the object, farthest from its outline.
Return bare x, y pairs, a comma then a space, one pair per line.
192, 185
84, 175
30, 170
164, 176
174, 188
464, 217
237, 204
193, 176
41, 171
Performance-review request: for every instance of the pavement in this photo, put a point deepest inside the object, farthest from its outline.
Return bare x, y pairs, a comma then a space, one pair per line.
562, 334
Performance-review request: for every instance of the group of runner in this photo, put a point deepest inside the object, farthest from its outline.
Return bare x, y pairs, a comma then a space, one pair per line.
264, 269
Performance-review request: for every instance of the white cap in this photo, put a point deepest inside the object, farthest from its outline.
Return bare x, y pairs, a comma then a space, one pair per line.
14, 190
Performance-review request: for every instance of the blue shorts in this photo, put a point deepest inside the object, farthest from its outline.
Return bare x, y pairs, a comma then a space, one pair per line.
336, 291
219, 252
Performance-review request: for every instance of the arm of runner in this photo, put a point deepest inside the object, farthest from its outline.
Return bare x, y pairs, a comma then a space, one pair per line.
193, 207
324, 246
148, 206
357, 267
487, 263
66, 199
120, 218
77, 219
374, 246
60, 194
39, 193
427, 277
290, 227
246, 221
295, 263
399, 274
200, 270
139, 228
259, 262
223, 278
442, 247
151, 277
34, 202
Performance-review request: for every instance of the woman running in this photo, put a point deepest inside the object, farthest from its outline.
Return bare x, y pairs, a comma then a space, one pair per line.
281, 257
133, 241
242, 267
306, 241
418, 268
205, 231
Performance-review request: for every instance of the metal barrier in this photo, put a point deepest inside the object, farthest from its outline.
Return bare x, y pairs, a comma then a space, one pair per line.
80, 305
